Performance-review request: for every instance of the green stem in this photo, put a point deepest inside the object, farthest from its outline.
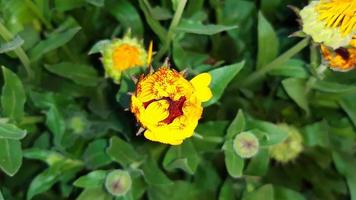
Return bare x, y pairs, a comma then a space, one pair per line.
258, 75
38, 13
176, 18
6, 34
32, 120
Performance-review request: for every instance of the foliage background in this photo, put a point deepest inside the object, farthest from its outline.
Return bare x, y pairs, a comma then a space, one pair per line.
61, 119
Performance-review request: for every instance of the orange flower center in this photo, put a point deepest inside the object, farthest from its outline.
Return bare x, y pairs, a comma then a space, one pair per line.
126, 56
175, 108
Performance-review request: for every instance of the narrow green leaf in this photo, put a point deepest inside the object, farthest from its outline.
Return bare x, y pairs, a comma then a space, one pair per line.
268, 44
274, 134
10, 131
93, 179
98, 193
234, 163
81, 74
95, 155
189, 26
56, 123
99, 46
55, 40
1, 197
12, 45
283, 193
317, 134
13, 96
296, 89
258, 166
332, 87
10, 156
237, 125
123, 152
97, 3
292, 68
221, 77
345, 165
153, 174
127, 15
227, 191
349, 106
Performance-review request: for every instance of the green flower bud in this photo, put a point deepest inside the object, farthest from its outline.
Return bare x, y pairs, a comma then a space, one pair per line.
118, 182
290, 148
246, 144
78, 123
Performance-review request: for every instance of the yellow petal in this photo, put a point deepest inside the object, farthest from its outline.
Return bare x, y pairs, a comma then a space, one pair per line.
153, 136
201, 80
155, 112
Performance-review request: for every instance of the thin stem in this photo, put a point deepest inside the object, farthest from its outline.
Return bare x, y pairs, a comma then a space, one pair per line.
176, 18
38, 13
257, 75
6, 34
32, 120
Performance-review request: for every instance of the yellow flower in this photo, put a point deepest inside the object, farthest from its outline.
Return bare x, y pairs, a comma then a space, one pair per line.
122, 54
341, 59
168, 106
331, 22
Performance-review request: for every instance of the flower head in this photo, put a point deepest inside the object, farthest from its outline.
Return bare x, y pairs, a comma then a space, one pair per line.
331, 22
122, 54
290, 148
118, 182
342, 58
246, 144
168, 106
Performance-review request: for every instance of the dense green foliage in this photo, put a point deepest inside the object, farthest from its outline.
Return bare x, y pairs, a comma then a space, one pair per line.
64, 127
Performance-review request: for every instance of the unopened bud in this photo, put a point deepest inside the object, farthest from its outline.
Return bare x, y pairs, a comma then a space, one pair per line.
246, 144
118, 182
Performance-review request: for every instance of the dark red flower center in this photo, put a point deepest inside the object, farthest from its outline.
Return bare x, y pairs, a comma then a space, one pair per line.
175, 108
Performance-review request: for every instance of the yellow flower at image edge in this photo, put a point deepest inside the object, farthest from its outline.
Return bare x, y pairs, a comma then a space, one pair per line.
168, 106
341, 59
331, 22
122, 54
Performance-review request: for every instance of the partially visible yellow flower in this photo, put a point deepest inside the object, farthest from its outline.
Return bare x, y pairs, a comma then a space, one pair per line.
330, 22
122, 54
168, 106
341, 59
290, 148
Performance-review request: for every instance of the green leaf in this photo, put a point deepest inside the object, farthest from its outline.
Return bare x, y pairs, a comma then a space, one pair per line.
81, 74
1, 197
237, 125
10, 131
258, 166
274, 134
55, 123
99, 46
65, 5
127, 15
98, 193
190, 26
283, 193
12, 45
95, 155
97, 3
156, 27
123, 152
93, 179
349, 106
265, 192
153, 174
345, 164
292, 68
331, 87
227, 191
221, 77
268, 44
54, 40
183, 157
317, 134
296, 89
234, 163
13, 96
10, 156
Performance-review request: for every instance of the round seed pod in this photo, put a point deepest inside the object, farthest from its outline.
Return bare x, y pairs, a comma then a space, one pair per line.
246, 144
118, 182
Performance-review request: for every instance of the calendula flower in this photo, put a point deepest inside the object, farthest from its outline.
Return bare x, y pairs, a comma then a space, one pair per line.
331, 22
341, 59
122, 54
168, 106
290, 148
